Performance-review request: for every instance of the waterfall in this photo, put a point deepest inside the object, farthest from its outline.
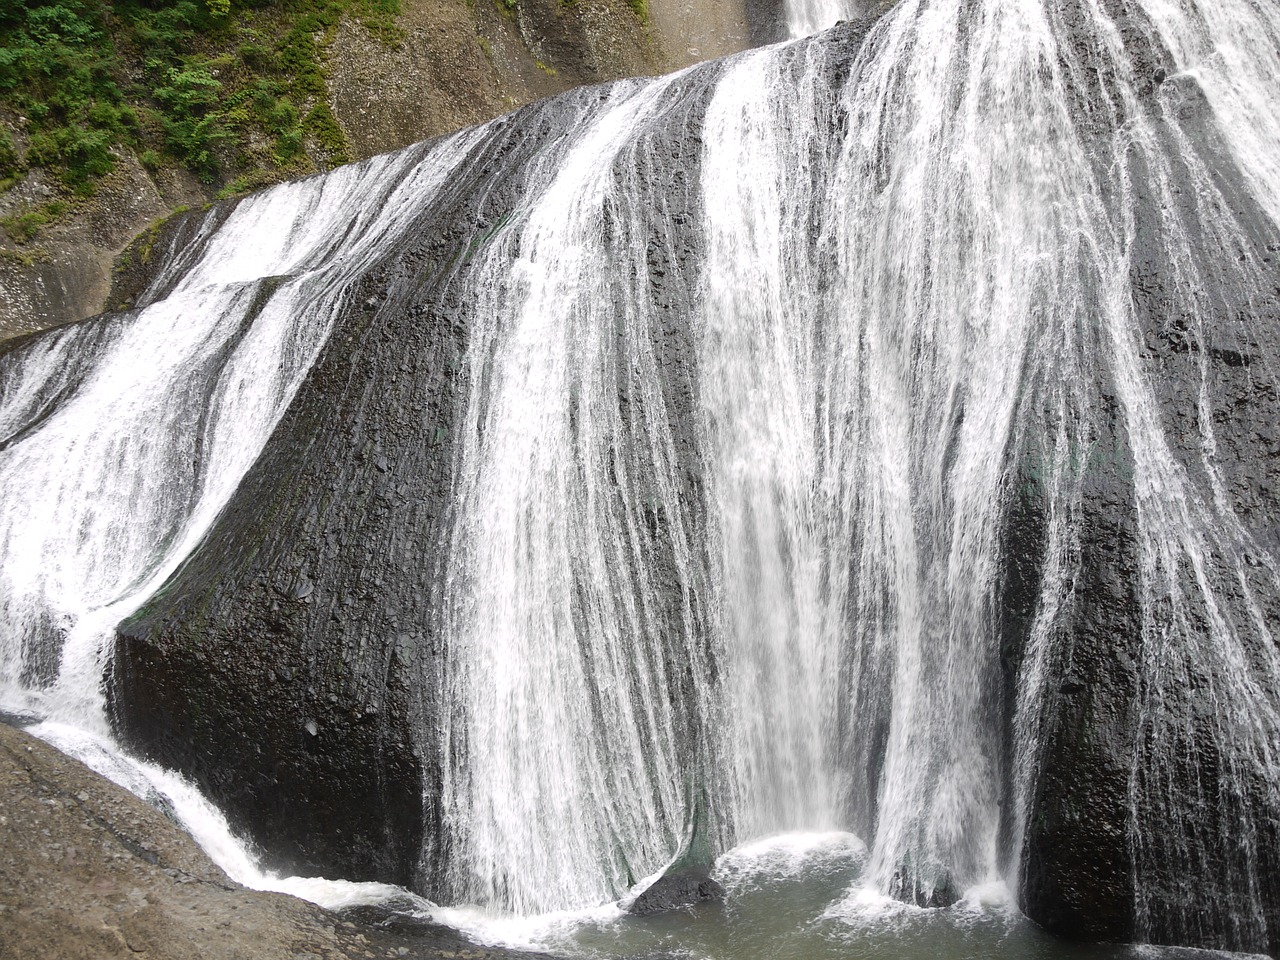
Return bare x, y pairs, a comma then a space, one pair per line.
902, 280
847, 435
804, 18
122, 438
562, 675
779, 620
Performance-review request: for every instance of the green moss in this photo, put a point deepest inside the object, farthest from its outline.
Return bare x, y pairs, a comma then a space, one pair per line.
221, 87
641, 9
144, 243
26, 257
10, 164
23, 227
247, 183
323, 126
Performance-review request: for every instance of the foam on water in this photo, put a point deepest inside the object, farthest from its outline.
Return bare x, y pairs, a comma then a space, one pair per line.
787, 857
541, 932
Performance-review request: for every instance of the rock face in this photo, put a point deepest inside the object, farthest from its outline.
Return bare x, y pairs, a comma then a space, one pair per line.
317, 653
90, 872
1220, 407
461, 63
1139, 764
295, 666
67, 273
687, 880
289, 662
1077, 868
675, 890
456, 64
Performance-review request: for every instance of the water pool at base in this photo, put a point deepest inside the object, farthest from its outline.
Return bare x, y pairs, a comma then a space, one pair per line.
798, 897
793, 896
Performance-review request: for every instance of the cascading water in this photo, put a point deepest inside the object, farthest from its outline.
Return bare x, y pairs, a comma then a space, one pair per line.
803, 18
844, 441
760, 359
562, 669
122, 438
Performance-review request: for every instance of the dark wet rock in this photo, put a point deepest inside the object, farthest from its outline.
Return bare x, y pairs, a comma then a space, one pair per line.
908, 888
1207, 812
676, 890
687, 880
1076, 871
1142, 824
288, 664
292, 667
767, 20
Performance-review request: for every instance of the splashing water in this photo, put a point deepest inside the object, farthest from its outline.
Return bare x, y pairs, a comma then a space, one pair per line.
761, 360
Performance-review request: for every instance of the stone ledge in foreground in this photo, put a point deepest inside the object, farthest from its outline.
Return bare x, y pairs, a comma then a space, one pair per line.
90, 872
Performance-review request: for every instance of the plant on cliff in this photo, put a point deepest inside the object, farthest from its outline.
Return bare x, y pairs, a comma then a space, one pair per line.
22, 227
9, 163
56, 71
233, 90
193, 127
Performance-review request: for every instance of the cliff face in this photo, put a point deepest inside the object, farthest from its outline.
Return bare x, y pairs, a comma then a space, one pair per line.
539, 369
343, 655
453, 64
462, 63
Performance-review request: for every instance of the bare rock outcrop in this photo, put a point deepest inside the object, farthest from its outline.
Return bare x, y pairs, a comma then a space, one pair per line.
90, 872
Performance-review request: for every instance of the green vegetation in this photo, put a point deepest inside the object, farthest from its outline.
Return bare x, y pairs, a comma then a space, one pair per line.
323, 126
233, 90
24, 256
23, 226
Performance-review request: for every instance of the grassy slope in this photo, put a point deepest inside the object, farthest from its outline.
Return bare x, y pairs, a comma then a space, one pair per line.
233, 90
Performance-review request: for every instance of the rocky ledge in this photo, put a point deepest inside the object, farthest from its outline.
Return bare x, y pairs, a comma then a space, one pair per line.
90, 872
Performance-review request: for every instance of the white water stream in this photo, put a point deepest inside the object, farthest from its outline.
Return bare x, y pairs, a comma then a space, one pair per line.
899, 282
889, 306
804, 18
120, 442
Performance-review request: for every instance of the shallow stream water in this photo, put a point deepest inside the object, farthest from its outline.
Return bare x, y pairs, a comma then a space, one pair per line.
792, 896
